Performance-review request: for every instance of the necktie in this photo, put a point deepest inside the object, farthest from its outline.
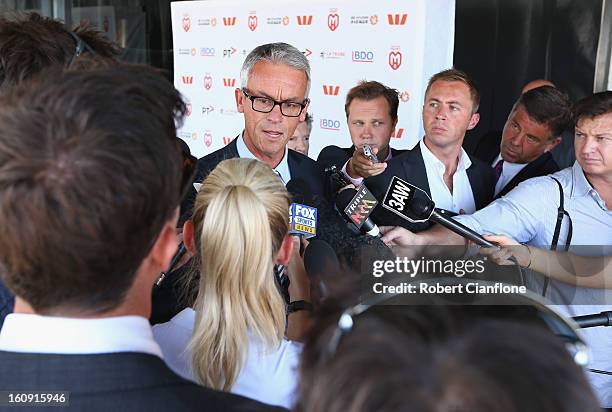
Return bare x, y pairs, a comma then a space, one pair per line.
498, 169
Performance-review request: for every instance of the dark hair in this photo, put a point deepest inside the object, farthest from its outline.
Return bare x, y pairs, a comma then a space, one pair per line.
592, 106
370, 90
90, 171
549, 106
455, 75
436, 358
31, 43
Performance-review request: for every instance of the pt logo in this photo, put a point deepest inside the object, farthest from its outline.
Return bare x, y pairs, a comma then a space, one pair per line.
208, 81
333, 21
207, 138
186, 23
395, 59
252, 22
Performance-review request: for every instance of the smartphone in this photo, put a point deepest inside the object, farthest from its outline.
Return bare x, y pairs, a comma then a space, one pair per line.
367, 151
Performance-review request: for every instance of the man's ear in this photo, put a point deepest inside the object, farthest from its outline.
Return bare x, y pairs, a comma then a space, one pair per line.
284, 253
552, 144
165, 247
304, 111
473, 121
189, 237
239, 100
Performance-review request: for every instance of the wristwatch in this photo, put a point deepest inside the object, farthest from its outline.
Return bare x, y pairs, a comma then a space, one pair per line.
298, 305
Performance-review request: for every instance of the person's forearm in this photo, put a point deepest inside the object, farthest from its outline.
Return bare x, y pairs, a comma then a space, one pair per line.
588, 272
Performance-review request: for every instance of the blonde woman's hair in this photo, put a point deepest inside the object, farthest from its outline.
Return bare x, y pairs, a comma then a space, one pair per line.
241, 216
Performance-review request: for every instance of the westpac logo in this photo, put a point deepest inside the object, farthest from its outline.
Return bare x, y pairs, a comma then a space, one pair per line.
331, 90
229, 21
208, 138
208, 81
361, 56
333, 19
187, 79
397, 19
329, 124
226, 140
229, 82
207, 51
304, 20
252, 21
395, 59
397, 133
186, 22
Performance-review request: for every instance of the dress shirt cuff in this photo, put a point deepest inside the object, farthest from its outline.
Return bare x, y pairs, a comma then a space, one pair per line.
356, 182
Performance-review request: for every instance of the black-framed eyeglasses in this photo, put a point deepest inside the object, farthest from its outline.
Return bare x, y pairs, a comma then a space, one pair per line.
266, 105
81, 46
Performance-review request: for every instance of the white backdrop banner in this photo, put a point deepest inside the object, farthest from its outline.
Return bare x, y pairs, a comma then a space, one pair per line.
400, 43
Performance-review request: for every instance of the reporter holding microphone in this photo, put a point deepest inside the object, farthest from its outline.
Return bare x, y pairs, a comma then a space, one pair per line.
233, 336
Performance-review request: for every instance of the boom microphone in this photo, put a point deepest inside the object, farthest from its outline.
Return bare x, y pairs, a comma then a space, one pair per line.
414, 204
357, 206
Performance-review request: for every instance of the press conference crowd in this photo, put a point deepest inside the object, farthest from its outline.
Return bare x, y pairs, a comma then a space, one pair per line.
134, 276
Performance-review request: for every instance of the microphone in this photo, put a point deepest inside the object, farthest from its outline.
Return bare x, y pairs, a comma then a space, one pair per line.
357, 206
414, 204
302, 220
596, 320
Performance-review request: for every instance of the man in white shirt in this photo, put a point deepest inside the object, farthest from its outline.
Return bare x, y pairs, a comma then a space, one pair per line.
529, 214
523, 149
438, 164
90, 181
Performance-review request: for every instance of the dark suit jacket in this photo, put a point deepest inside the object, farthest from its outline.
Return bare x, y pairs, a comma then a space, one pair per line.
300, 166
124, 381
410, 167
487, 150
338, 156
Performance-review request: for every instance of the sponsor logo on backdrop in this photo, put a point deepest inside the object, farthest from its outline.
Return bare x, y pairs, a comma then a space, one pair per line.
229, 82
363, 56
274, 21
331, 90
395, 58
185, 135
329, 124
228, 112
374, 20
360, 20
229, 21
397, 133
207, 109
286, 20
252, 21
333, 19
207, 22
208, 138
187, 79
188, 108
208, 81
332, 54
193, 51
184, 52
304, 20
186, 22
404, 96
307, 52
397, 19
228, 52
194, 136
226, 140
207, 51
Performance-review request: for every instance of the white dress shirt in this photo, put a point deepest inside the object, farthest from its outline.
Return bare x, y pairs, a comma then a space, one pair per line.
461, 196
282, 169
528, 213
509, 170
71, 336
269, 376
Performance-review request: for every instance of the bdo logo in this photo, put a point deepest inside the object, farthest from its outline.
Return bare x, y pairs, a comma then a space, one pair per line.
329, 124
363, 56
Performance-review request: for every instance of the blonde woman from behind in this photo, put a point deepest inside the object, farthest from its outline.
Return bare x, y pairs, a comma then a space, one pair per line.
233, 337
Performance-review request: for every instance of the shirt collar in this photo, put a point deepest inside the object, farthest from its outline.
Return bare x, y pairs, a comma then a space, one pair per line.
48, 334
463, 164
581, 186
282, 169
